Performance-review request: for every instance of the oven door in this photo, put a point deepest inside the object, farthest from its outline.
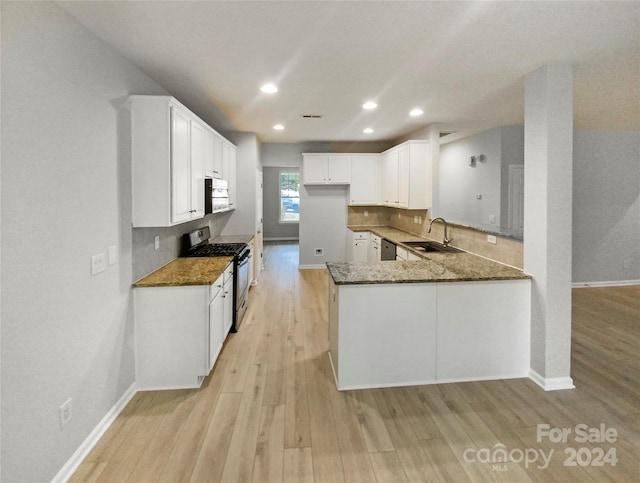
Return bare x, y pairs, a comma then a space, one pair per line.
242, 287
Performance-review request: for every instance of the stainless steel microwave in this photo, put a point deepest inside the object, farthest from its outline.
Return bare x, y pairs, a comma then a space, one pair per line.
216, 195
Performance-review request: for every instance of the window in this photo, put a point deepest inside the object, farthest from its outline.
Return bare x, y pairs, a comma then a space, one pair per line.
289, 197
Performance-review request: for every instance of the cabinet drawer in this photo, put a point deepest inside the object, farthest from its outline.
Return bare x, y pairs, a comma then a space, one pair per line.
376, 239
228, 273
215, 287
360, 235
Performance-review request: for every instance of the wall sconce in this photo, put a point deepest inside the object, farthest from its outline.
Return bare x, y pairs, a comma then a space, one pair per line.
473, 159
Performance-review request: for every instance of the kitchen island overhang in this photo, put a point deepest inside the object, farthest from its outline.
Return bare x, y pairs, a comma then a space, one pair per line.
447, 318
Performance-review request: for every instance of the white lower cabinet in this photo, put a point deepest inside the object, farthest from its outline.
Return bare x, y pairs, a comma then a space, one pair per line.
402, 334
358, 246
374, 254
216, 322
179, 332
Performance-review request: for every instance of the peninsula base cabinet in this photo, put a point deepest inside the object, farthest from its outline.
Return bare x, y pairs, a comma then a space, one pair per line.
179, 333
385, 335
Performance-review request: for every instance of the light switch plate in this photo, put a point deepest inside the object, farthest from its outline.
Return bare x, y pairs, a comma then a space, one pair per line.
492, 239
98, 264
156, 242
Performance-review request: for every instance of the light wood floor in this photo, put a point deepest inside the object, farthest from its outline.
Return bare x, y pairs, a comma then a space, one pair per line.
270, 412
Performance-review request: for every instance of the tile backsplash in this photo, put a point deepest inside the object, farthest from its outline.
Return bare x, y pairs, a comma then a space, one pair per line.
504, 250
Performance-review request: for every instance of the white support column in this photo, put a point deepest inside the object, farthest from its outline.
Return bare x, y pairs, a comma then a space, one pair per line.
433, 136
548, 155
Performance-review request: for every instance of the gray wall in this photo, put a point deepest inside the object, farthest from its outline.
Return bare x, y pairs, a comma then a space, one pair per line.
242, 221
606, 206
460, 183
273, 229
65, 197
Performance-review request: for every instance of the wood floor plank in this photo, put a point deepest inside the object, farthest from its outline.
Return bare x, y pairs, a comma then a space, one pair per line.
213, 454
353, 449
188, 441
297, 430
388, 468
242, 448
372, 425
298, 465
269, 459
269, 411
150, 466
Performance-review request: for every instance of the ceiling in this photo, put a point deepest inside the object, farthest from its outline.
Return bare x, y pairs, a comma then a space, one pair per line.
463, 63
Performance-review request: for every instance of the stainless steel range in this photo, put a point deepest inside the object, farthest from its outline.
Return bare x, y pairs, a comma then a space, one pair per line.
197, 244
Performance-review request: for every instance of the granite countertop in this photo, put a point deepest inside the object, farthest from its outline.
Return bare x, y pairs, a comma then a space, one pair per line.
186, 271
232, 239
434, 266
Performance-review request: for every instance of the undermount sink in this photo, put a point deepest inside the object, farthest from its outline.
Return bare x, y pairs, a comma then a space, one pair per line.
430, 246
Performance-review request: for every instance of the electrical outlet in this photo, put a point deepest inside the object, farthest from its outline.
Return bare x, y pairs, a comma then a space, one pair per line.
65, 413
492, 239
98, 264
319, 252
492, 219
366, 213
156, 242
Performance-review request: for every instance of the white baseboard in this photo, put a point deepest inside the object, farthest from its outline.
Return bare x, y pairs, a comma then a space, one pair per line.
303, 267
615, 283
282, 238
87, 445
551, 383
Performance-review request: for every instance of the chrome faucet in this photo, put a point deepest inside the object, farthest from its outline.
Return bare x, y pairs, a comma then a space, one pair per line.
445, 240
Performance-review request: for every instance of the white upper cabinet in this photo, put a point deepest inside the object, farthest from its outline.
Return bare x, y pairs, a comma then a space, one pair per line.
364, 179
229, 172
326, 169
172, 151
406, 176
389, 178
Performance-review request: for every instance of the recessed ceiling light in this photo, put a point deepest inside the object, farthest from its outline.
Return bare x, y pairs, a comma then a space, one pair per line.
278, 127
369, 105
416, 112
367, 130
269, 89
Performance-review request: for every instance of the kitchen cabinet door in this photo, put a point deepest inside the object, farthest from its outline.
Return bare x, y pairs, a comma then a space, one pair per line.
339, 169
403, 177
199, 149
216, 324
218, 142
326, 169
374, 249
315, 168
180, 166
360, 251
389, 185
363, 189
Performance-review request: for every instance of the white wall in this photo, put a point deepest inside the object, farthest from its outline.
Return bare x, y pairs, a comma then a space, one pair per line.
606, 206
66, 196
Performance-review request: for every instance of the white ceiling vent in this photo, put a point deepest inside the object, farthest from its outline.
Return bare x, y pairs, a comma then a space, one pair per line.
311, 116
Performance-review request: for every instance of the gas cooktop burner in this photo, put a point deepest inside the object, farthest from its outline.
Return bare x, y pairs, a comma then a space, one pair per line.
218, 250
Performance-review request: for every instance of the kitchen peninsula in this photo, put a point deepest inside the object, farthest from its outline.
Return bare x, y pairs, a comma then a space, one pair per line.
447, 317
